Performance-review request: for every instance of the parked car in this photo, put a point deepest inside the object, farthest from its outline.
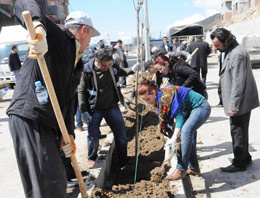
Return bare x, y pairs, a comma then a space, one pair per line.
252, 45
9, 36
6, 76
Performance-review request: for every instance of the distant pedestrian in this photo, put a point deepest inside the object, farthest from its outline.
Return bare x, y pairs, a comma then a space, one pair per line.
14, 62
239, 94
165, 46
199, 60
191, 39
117, 60
101, 44
176, 45
124, 64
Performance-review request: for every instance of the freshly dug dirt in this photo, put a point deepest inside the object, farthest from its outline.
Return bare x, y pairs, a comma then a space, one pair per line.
151, 156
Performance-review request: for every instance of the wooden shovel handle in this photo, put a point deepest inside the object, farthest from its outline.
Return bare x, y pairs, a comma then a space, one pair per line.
55, 105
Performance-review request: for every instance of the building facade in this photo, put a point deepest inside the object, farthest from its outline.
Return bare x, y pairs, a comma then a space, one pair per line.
226, 10
232, 8
57, 10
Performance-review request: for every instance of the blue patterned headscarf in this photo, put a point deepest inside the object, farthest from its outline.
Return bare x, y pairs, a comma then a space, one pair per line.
168, 102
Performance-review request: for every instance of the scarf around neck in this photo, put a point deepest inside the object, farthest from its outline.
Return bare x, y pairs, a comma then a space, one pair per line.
170, 99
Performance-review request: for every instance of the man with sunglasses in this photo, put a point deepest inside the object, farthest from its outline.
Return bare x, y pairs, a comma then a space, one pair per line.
33, 126
99, 93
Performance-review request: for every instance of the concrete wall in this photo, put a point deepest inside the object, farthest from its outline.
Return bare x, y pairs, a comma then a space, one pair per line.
240, 6
226, 10
255, 3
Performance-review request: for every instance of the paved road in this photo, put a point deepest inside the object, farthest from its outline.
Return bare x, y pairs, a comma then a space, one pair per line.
10, 184
214, 151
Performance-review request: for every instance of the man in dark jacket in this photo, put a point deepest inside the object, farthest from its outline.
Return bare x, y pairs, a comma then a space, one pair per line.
165, 46
123, 63
199, 60
14, 61
33, 126
99, 92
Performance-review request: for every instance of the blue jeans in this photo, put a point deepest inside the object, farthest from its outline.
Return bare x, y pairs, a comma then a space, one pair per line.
79, 122
187, 156
16, 72
114, 119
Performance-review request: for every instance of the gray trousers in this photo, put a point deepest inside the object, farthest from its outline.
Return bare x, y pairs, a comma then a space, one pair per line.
37, 152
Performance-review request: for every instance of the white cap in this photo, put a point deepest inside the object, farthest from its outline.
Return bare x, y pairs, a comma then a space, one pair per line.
82, 19
155, 49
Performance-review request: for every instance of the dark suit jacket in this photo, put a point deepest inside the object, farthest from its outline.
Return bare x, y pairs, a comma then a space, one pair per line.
200, 58
14, 61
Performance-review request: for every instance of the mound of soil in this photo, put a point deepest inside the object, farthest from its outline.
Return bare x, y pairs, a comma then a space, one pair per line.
151, 156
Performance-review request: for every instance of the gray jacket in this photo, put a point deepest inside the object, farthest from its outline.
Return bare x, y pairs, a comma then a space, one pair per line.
239, 91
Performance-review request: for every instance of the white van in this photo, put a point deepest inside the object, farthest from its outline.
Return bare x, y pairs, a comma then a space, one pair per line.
9, 36
252, 45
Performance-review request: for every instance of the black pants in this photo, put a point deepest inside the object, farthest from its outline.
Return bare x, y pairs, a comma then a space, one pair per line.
123, 79
204, 71
239, 133
70, 173
37, 152
220, 93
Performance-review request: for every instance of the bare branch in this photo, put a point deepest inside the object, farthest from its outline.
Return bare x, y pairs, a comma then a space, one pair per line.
134, 4
139, 5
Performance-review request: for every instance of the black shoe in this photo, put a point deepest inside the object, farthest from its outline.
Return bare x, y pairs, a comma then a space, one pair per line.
232, 169
73, 176
220, 104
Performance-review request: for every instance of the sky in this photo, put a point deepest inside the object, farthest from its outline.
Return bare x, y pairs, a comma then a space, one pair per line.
116, 19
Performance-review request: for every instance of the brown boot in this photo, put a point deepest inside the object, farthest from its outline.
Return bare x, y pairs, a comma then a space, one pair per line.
194, 172
176, 175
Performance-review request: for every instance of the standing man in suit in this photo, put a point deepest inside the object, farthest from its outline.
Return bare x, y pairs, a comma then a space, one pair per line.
199, 60
239, 94
14, 62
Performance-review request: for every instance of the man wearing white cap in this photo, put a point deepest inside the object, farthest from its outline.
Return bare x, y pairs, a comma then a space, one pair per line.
33, 126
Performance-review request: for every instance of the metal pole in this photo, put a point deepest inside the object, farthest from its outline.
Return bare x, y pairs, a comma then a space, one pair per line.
142, 50
136, 82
